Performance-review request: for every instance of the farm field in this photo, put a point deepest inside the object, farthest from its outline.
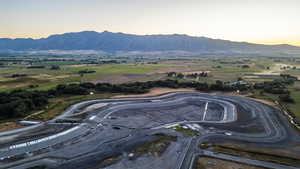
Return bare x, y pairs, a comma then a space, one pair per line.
46, 79
68, 72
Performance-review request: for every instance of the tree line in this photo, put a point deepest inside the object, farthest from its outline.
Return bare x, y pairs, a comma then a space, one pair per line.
191, 75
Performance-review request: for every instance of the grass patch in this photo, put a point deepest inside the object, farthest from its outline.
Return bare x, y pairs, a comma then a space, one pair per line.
157, 146
295, 94
58, 105
9, 126
214, 163
108, 161
292, 107
269, 155
187, 131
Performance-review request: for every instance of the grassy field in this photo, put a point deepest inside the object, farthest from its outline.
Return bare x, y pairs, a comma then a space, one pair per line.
184, 131
47, 79
292, 107
155, 147
229, 69
295, 94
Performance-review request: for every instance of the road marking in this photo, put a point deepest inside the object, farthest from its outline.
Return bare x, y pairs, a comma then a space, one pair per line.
92, 118
42, 139
205, 111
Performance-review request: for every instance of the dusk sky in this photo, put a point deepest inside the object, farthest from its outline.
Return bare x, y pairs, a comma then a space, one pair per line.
258, 21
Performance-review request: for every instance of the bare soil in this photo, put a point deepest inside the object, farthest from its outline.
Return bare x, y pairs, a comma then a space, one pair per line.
9, 126
267, 102
126, 78
213, 163
156, 92
274, 155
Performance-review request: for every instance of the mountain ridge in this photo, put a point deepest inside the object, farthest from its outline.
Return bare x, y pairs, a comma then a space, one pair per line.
175, 34
115, 42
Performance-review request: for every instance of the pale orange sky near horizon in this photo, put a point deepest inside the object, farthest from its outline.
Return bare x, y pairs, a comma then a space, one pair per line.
256, 21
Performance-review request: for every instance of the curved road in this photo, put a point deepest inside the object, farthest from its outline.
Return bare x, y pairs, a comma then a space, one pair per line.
110, 127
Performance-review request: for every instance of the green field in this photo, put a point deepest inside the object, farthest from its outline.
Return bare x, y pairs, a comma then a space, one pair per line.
47, 78
229, 70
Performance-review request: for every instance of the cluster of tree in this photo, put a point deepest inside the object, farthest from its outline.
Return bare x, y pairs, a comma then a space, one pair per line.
286, 98
36, 67
196, 75
217, 67
245, 66
288, 79
277, 86
154, 63
177, 75
70, 89
226, 86
54, 67
232, 62
19, 103
192, 75
288, 67
108, 62
273, 87
33, 86
15, 75
86, 71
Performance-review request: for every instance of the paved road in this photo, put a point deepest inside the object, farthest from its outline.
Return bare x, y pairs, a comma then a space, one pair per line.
245, 160
130, 121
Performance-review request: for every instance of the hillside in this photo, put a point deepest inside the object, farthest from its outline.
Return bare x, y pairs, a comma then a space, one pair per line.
119, 42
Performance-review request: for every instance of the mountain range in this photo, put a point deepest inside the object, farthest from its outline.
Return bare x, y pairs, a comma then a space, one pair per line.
110, 42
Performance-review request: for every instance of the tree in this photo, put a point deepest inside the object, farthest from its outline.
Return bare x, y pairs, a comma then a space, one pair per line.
180, 76
245, 66
54, 67
286, 98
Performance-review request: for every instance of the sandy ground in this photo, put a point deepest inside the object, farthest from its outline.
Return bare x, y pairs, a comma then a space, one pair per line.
36, 113
156, 92
94, 106
9, 126
297, 148
213, 163
267, 102
50, 77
